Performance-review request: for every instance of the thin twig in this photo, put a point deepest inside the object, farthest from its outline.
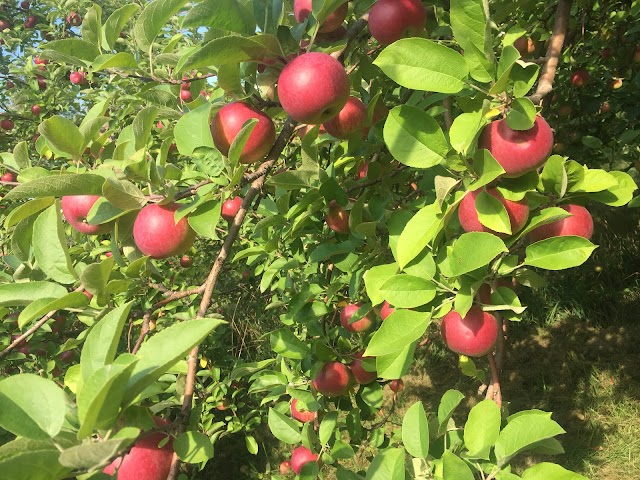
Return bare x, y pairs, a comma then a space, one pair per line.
494, 392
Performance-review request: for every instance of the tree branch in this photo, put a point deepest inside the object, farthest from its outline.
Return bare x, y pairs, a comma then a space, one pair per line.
549, 68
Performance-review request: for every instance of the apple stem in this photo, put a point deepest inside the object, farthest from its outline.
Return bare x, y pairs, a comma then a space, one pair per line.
448, 117
548, 73
352, 32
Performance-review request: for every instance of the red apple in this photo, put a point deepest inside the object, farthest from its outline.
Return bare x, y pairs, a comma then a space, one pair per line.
605, 107
636, 55
386, 310
396, 385
303, 415
518, 212
313, 88
349, 121
246, 275
391, 20
332, 380
285, 467
525, 46
580, 78
579, 224
518, 151
186, 261
8, 177
565, 110
473, 335
31, 21
615, 83
185, 86
606, 53
363, 170
57, 324
145, 461
159, 124
75, 209
25, 5
302, 9
303, 131
228, 122
10, 84
361, 325
157, 234
77, 78
300, 457
185, 95
67, 356
327, 38
42, 84
361, 375
7, 124
74, 19
337, 219
88, 294
230, 208
36, 110
4, 25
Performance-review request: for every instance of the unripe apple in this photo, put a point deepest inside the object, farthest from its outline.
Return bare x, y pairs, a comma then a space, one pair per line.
468, 214
333, 379
74, 19
386, 310
304, 415
36, 110
157, 234
7, 124
75, 209
300, 457
77, 78
337, 219
185, 95
391, 20
473, 335
396, 385
186, 261
8, 177
361, 325
228, 122
145, 461
518, 151
580, 78
361, 375
350, 120
525, 46
302, 9
579, 224
230, 208
285, 467
313, 88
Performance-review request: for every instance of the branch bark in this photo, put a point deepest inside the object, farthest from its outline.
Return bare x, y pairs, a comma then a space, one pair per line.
549, 68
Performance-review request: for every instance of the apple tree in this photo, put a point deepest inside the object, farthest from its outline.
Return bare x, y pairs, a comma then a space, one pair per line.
382, 168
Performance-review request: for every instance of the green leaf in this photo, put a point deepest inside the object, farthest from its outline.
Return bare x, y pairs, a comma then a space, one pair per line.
522, 114
87, 455
241, 140
164, 349
471, 31
619, 195
32, 406
474, 250
523, 431
102, 341
387, 465
101, 395
224, 15
448, 403
63, 136
524, 77
415, 431
142, 125
120, 60
486, 168
20, 294
559, 253
193, 447
594, 180
193, 130
550, 471
92, 25
545, 216
327, 427
554, 177
42, 306
250, 442
375, 277
454, 468
482, 429
492, 213
153, 19
123, 194
95, 277
464, 130
25, 459
285, 343
396, 364
418, 232
26, 210
50, 246
116, 22
58, 186
205, 219
283, 428
400, 329
414, 138
508, 59
21, 155
420, 64
103, 212
225, 50
407, 291
73, 51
